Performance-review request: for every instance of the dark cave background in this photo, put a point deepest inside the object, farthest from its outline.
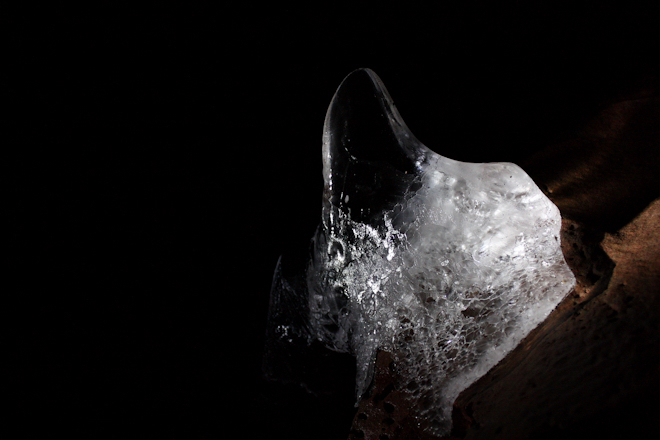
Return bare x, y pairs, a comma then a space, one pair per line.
169, 155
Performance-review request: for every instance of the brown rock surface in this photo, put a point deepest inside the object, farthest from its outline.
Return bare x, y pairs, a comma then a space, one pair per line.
592, 369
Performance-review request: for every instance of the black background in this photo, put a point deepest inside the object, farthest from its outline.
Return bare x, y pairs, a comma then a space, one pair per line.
168, 155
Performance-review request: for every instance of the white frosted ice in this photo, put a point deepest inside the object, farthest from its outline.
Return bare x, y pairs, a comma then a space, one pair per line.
446, 264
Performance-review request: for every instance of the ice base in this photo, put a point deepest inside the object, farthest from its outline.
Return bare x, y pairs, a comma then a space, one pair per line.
446, 264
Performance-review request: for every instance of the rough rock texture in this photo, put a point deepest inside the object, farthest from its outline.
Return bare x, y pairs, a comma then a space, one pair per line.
592, 368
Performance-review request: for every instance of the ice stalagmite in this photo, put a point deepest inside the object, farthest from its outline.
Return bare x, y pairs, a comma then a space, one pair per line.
445, 264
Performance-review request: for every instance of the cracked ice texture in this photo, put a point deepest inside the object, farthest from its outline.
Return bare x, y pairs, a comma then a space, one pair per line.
446, 264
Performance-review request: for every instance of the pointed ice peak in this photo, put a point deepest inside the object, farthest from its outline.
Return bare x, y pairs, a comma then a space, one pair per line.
370, 157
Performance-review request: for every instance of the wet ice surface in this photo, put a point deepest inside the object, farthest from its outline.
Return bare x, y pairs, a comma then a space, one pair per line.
446, 264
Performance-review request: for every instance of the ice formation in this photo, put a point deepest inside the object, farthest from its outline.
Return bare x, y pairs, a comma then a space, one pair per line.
445, 264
